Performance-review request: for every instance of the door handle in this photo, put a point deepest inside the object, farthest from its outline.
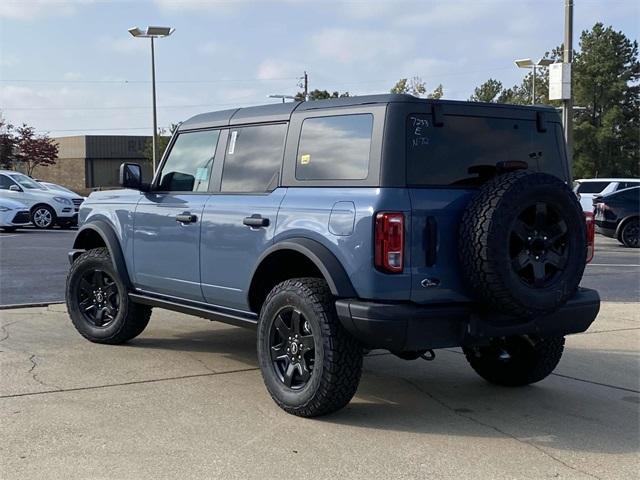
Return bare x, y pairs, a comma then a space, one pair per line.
256, 221
186, 218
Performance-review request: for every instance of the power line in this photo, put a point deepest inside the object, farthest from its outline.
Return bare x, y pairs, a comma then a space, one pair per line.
125, 81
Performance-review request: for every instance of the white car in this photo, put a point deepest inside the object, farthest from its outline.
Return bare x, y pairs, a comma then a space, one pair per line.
13, 215
47, 207
587, 188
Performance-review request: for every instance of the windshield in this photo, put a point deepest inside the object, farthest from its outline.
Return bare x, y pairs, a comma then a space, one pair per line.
26, 182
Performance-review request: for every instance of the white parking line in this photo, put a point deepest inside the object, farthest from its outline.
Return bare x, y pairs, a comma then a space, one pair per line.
611, 265
7, 236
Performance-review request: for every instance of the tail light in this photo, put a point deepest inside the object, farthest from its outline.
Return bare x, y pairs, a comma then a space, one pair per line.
591, 235
389, 242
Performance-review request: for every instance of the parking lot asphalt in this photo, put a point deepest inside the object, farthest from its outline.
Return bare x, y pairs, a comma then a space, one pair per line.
34, 264
186, 400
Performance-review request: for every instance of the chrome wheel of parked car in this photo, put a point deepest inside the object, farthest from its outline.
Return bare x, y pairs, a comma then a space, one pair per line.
99, 300
292, 348
43, 217
630, 235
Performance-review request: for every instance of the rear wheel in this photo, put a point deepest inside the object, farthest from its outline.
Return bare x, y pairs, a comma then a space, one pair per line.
630, 234
43, 216
98, 302
516, 361
311, 366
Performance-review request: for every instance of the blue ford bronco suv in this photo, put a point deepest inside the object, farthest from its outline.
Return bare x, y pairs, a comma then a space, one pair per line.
338, 226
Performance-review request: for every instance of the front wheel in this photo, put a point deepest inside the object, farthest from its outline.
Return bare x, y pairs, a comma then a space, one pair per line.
310, 364
516, 361
98, 303
43, 216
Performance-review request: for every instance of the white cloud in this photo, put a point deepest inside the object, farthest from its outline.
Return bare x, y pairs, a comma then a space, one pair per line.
29, 9
124, 44
271, 69
217, 6
350, 45
210, 48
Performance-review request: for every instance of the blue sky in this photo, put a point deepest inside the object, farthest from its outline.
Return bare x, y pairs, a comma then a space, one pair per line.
71, 67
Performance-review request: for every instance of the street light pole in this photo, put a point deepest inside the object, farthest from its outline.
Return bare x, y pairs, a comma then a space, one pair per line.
533, 86
567, 104
154, 140
528, 63
153, 33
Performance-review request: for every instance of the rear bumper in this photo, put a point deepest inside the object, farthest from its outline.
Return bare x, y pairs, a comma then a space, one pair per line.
409, 327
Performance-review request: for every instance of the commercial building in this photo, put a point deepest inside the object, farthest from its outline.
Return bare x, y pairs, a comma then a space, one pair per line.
89, 162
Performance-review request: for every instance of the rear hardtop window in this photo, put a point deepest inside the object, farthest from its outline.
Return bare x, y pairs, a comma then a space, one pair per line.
466, 150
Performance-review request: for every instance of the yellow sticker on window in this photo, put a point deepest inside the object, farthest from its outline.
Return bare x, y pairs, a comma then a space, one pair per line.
305, 159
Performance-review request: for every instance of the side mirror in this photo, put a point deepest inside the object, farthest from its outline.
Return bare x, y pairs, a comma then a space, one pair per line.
131, 176
15, 188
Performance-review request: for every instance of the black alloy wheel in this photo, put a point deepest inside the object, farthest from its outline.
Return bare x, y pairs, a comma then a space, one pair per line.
98, 298
538, 245
630, 235
292, 348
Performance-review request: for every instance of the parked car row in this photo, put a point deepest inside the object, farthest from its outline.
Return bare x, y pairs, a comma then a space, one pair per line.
617, 215
24, 200
588, 188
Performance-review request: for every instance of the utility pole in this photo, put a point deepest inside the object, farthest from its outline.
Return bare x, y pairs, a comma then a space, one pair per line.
154, 140
305, 85
567, 105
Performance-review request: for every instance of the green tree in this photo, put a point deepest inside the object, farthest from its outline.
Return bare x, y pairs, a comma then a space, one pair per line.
414, 86
320, 95
606, 73
487, 92
32, 150
437, 93
417, 87
7, 145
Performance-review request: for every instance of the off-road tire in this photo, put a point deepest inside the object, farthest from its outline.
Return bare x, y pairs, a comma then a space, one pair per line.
484, 244
529, 363
338, 356
131, 319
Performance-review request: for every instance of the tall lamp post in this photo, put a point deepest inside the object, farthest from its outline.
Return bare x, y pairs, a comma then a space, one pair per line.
152, 33
530, 64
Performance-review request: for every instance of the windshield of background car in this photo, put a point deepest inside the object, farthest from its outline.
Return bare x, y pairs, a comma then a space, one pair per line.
466, 149
26, 182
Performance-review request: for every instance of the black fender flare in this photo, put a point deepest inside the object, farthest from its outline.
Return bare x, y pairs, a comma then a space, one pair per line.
330, 267
110, 239
622, 223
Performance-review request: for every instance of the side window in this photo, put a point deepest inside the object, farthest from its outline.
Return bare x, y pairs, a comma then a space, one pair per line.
623, 185
335, 148
592, 187
190, 161
253, 159
5, 182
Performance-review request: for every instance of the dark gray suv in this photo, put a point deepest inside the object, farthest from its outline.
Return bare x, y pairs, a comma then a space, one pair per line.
339, 226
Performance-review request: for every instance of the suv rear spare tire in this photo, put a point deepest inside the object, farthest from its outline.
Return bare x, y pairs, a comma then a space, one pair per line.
523, 244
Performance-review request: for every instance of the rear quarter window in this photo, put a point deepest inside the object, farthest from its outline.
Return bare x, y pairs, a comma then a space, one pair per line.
467, 148
335, 148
